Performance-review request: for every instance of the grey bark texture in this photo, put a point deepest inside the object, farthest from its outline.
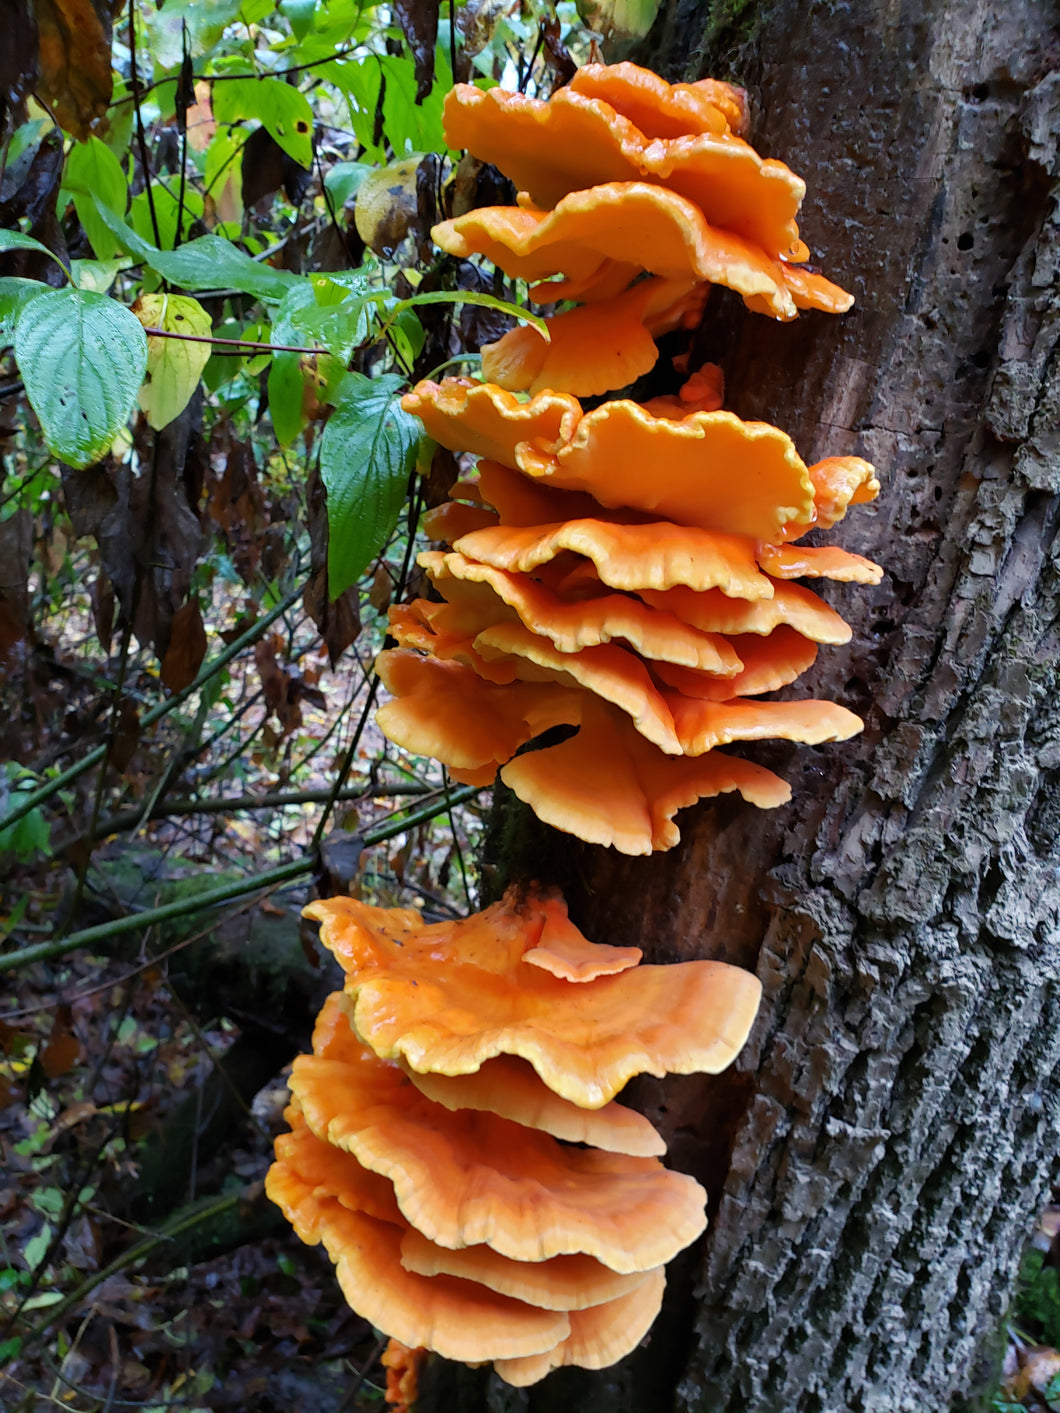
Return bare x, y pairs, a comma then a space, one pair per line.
877, 1155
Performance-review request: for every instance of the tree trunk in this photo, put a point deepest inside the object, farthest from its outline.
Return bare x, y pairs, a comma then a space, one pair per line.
877, 1155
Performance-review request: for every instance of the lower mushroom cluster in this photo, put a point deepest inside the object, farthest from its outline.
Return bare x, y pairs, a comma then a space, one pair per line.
433, 1130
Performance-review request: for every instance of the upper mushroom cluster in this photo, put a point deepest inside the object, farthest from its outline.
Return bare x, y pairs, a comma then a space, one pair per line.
639, 195
626, 572
433, 1130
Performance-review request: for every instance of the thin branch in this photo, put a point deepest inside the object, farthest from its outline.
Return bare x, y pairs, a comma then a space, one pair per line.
226, 78
232, 343
227, 893
44, 792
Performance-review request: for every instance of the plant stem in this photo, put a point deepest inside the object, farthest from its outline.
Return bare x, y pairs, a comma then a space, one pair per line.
232, 343
44, 792
226, 893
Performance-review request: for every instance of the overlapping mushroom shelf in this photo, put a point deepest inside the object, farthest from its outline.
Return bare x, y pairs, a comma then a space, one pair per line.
622, 176
625, 573
433, 1130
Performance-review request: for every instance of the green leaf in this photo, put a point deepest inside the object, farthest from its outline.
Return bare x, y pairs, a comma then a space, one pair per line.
279, 107
98, 275
206, 24
208, 262
366, 455
174, 366
299, 15
93, 171
15, 240
286, 383
166, 206
82, 358
15, 294
9, 1349
344, 179
469, 296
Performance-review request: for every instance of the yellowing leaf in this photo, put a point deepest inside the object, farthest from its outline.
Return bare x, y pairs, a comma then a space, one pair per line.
174, 365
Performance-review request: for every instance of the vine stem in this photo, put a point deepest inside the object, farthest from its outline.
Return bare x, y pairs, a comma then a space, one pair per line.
226, 893
231, 343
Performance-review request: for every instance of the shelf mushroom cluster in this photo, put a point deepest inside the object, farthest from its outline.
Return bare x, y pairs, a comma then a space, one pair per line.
623, 573
455, 1143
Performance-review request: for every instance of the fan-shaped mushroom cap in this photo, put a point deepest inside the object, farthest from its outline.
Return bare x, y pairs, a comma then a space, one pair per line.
769, 663
564, 952
512, 1088
444, 709
610, 786
573, 142
704, 391
715, 612
801, 562
593, 349
608, 671
709, 469
653, 556
466, 1177
449, 996
631, 223
660, 109
331, 1172
838, 483
702, 725
521, 500
571, 1282
582, 623
460, 1319
599, 1336
465, 415
448, 521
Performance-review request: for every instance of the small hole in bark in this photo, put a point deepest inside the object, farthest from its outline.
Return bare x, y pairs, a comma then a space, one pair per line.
965, 240
981, 91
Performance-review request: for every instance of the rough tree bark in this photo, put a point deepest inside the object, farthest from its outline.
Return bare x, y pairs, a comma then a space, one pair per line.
877, 1155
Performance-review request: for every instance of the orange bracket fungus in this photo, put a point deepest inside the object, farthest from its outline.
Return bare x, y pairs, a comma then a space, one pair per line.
623, 571
455, 1144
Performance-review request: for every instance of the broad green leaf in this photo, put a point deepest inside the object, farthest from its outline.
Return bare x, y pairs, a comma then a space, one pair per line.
281, 108
366, 455
174, 366
93, 171
206, 23
209, 262
98, 275
82, 358
166, 205
360, 83
344, 179
286, 382
15, 293
619, 21
299, 15
15, 240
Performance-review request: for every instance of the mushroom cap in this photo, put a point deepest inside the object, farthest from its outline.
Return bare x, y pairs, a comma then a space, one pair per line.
599, 1336
702, 725
631, 223
660, 109
573, 142
448, 521
604, 452
838, 483
590, 350
609, 671
565, 952
709, 469
446, 710
449, 997
769, 663
522, 500
801, 562
460, 1319
570, 1282
715, 612
466, 1177
652, 556
610, 786
575, 624
704, 391
511, 1088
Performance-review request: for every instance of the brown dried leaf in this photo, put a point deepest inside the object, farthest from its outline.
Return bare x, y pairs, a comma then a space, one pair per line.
18, 55
101, 596
126, 737
75, 71
61, 1051
16, 544
419, 22
187, 647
